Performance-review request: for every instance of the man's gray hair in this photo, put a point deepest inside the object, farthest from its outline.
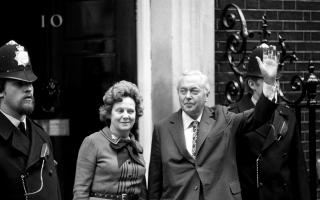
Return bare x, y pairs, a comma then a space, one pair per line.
203, 77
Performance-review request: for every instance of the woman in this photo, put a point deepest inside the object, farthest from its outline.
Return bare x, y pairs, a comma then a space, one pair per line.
110, 163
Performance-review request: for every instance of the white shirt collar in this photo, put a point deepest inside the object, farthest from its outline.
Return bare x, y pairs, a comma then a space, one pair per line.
187, 120
13, 120
254, 101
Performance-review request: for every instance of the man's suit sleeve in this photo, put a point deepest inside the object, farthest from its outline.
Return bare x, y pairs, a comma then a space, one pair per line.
298, 169
234, 108
155, 168
252, 119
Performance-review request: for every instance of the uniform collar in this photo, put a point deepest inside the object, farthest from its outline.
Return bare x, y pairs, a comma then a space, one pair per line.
13, 120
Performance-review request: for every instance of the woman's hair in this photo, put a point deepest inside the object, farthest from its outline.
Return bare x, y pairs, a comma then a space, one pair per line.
115, 94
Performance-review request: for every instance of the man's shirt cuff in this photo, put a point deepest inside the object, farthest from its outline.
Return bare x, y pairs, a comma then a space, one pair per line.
269, 91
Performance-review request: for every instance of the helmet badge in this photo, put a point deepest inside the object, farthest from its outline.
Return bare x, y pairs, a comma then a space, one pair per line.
22, 56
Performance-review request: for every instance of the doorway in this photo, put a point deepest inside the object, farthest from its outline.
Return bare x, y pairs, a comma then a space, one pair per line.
78, 49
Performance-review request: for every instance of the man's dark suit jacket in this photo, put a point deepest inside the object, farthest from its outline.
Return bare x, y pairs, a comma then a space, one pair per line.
282, 172
17, 159
175, 175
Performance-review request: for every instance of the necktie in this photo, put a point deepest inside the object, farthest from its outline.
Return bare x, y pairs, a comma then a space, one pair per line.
195, 128
22, 128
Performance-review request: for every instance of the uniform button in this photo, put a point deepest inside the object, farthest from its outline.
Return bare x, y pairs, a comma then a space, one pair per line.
260, 184
129, 162
196, 188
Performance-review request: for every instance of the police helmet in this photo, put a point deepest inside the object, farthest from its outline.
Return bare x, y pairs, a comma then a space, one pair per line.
15, 63
253, 69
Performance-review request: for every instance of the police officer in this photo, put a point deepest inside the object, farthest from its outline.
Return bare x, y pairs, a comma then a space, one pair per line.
27, 167
270, 160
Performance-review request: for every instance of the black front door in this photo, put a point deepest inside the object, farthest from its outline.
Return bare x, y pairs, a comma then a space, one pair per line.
77, 49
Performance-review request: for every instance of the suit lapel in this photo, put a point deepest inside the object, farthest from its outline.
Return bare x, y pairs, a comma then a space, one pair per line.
176, 131
19, 141
264, 130
206, 123
271, 138
36, 144
279, 126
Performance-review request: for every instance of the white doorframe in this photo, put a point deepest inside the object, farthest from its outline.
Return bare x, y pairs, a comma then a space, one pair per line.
144, 75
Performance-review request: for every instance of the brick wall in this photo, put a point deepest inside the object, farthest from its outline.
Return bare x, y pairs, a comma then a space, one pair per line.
298, 22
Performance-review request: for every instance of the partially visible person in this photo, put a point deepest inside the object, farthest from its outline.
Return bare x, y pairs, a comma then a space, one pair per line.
110, 163
193, 150
270, 160
27, 167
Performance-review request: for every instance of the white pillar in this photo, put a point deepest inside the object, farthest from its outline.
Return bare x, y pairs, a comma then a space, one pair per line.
144, 75
192, 41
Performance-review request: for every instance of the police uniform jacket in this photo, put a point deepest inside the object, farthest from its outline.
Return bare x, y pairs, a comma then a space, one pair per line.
20, 157
175, 175
270, 160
